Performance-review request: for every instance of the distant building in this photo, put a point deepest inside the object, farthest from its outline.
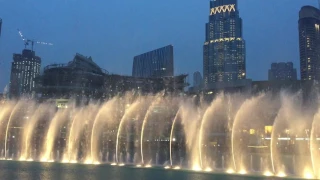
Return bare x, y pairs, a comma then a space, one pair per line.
157, 63
117, 84
24, 70
197, 79
224, 53
309, 41
82, 79
282, 71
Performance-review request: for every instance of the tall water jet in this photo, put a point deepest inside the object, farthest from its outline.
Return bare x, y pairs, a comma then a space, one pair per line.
145, 120
171, 134
314, 146
14, 113
61, 116
133, 111
246, 112
80, 121
210, 114
43, 111
291, 123
105, 116
191, 118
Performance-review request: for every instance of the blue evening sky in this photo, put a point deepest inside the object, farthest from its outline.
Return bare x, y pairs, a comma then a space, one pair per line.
113, 31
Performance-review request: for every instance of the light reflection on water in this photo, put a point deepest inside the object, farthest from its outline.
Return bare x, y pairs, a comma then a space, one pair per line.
47, 171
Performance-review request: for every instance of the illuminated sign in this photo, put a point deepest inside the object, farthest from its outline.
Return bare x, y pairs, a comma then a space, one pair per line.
223, 40
225, 8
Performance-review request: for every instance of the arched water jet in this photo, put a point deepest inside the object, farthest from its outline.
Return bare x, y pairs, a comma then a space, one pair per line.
284, 129
156, 101
105, 115
86, 114
171, 134
16, 107
243, 113
191, 118
209, 113
29, 125
5, 113
128, 113
59, 118
314, 147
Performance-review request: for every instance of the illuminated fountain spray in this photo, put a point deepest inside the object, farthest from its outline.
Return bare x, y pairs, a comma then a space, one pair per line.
145, 120
314, 147
42, 112
244, 114
191, 118
104, 116
56, 124
171, 134
5, 113
155, 123
15, 111
81, 119
210, 114
291, 123
128, 113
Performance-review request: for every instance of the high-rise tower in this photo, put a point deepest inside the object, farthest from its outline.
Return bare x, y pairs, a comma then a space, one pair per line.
157, 63
224, 58
25, 68
309, 41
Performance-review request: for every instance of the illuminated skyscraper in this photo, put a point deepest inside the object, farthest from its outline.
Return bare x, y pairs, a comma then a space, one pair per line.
25, 68
309, 41
224, 58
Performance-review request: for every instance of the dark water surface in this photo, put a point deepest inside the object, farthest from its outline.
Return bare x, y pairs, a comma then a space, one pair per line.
12, 170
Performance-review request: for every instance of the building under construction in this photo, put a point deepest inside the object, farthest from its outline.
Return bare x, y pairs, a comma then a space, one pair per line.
83, 79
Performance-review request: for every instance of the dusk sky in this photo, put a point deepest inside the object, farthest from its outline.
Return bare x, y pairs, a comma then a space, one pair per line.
114, 31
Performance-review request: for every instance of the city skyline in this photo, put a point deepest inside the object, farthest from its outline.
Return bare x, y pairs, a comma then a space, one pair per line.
73, 37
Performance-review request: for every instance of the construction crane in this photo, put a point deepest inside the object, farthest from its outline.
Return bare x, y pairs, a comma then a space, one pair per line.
32, 42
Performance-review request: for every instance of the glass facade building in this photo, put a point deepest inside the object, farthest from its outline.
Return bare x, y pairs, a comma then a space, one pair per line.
157, 63
224, 58
24, 70
282, 71
309, 42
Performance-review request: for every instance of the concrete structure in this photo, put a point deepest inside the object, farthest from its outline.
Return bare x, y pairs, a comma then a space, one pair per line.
82, 79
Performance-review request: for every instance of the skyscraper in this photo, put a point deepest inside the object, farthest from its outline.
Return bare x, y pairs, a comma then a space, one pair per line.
224, 58
197, 79
25, 68
282, 71
309, 41
156, 63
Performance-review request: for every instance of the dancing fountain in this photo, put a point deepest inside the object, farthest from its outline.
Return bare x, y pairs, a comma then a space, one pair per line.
266, 135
